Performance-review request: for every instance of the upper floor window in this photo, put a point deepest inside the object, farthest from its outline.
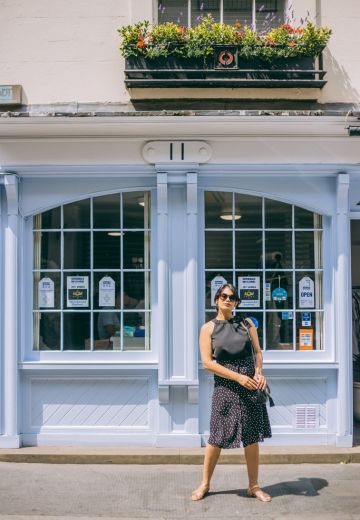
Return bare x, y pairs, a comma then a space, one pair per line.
91, 274
262, 15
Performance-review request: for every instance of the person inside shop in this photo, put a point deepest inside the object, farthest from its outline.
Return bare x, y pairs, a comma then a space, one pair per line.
237, 416
109, 321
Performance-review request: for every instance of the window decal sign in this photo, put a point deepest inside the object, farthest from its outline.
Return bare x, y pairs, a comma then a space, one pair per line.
287, 315
268, 291
249, 291
107, 292
46, 293
306, 319
216, 283
279, 295
306, 293
306, 339
77, 291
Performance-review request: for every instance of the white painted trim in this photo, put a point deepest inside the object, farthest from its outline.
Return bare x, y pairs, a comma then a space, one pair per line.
10, 441
31, 366
344, 441
71, 438
185, 440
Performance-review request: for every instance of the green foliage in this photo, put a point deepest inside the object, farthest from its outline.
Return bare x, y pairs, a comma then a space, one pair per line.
170, 39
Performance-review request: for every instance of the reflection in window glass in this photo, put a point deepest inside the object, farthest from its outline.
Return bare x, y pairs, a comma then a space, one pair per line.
175, 11
106, 212
279, 330
202, 8
47, 330
77, 335
136, 212
249, 211
277, 214
135, 296
218, 250
279, 290
107, 325
77, 215
106, 249
48, 220
76, 250
136, 249
248, 249
47, 250
307, 219
278, 250
219, 209
308, 251
136, 331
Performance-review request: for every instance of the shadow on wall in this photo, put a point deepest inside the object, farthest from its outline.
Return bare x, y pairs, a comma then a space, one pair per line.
339, 87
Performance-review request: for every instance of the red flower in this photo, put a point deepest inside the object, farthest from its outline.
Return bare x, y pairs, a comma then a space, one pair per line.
287, 27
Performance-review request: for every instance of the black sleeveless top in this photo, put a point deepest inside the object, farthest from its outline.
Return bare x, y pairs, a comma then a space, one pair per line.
230, 340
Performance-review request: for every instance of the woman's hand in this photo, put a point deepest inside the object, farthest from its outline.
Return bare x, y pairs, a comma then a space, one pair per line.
260, 380
247, 382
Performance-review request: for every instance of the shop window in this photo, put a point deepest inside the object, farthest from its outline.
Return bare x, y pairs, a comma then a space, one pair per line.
260, 14
91, 275
272, 252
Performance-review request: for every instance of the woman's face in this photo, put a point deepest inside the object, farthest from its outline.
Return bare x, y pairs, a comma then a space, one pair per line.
227, 300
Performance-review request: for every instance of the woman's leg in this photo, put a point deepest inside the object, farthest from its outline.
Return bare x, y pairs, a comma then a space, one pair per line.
212, 454
252, 464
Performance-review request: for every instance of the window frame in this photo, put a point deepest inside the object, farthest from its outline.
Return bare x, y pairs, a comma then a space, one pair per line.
282, 357
28, 354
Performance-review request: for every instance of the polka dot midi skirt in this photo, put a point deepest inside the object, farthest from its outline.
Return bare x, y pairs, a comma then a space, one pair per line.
236, 416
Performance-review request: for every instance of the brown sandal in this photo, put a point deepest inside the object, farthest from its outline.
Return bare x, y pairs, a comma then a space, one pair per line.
200, 492
257, 492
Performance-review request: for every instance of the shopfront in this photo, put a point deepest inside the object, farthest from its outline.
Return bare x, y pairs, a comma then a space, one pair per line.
113, 263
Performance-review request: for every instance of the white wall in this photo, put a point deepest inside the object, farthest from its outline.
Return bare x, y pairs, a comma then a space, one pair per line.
66, 51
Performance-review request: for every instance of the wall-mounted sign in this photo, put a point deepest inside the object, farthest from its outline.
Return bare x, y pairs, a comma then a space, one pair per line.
10, 94
249, 291
77, 291
107, 292
306, 319
306, 293
279, 294
268, 291
46, 293
216, 283
306, 339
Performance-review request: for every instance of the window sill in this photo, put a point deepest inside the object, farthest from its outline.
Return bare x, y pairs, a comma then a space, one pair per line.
81, 365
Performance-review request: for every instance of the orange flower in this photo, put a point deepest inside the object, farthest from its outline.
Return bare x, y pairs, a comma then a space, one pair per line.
237, 24
287, 27
181, 29
299, 30
292, 44
140, 44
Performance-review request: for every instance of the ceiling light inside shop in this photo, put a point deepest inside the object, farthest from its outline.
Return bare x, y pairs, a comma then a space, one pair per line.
228, 215
115, 233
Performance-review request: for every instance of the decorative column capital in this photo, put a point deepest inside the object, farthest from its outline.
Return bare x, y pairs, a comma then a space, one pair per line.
11, 184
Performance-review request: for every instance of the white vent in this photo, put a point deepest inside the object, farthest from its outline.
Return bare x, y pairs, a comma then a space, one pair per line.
307, 417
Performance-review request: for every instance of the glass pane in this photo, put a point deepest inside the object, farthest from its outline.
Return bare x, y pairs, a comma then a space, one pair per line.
248, 249
309, 331
106, 290
107, 250
106, 212
136, 290
277, 214
212, 282
47, 330
136, 330
46, 290
107, 325
269, 14
250, 211
307, 219
76, 290
47, 250
200, 8
76, 250
76, 330
279, 330
308, 290
136, 246
279, 290
249, 286
257, 318
77, 215
136, 210
218, 250
238, 11
308, 250
218, 209
48, 219
278, 249
210, 316
173, 11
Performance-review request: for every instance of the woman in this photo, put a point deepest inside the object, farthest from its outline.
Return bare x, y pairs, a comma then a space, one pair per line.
236, 415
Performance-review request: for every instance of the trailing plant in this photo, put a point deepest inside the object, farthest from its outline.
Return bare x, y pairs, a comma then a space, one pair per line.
170, 39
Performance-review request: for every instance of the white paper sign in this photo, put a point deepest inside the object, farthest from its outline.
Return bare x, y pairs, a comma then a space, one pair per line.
249, 291
268, 291
77, 291
46, 293
216, 283
107, 292
306, 293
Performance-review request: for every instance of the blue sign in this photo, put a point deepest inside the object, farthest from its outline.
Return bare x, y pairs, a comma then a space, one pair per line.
306, 319
279, 295
287, 315
255, 321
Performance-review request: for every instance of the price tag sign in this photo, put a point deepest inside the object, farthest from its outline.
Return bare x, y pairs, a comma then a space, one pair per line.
107, 292
46, 293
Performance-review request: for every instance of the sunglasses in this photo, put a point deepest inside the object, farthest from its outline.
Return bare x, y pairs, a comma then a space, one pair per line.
231, 297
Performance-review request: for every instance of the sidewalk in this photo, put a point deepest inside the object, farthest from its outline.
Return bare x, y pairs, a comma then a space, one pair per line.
151, 455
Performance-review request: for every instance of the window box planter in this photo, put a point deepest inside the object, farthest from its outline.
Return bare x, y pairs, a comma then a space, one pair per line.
225, 68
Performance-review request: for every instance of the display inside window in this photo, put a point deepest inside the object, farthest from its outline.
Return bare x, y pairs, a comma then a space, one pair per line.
92, 274
274, 260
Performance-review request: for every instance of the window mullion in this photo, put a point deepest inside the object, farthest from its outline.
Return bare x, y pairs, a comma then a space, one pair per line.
62, 279
189, 13
221, 11
254, 14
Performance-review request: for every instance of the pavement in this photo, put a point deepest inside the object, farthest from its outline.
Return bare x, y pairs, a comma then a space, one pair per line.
162, 492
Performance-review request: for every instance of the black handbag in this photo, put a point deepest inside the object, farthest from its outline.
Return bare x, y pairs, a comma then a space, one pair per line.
262, 396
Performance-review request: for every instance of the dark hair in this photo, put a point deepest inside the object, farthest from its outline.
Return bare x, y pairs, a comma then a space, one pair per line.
220, 291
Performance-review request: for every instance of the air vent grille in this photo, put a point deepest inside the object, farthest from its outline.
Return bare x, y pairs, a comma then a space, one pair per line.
307, 417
